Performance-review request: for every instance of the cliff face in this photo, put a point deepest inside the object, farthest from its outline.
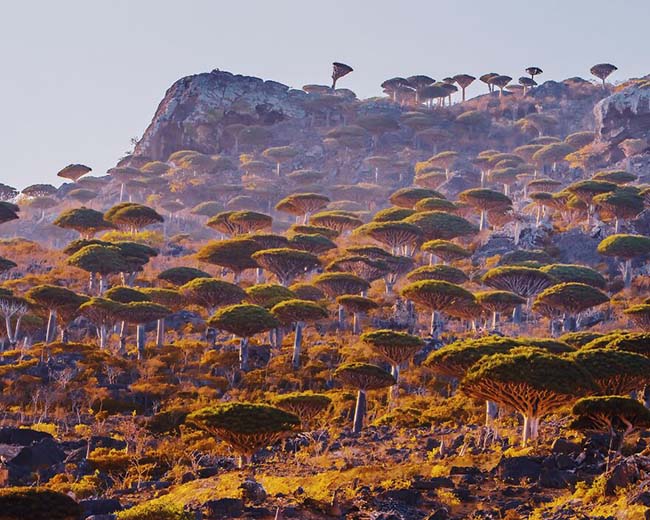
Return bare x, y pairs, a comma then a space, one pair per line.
196, 108
624, 115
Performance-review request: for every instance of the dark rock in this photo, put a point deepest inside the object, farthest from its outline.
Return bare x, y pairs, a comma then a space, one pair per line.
463, 494
432, 483
577, 247
517, 470
565, 462
207, 472
22, 436
440, 514
557, 479
565, 447
99, 506
224, 508
409, 497
641, 498
37, 457
252, 491
465, 470
624, 473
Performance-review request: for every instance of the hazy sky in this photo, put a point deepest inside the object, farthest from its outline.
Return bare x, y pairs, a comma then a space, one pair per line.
81, 78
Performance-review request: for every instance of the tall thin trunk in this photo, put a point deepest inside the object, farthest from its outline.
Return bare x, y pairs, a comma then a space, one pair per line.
359, 411
393, 391
491, 413
51, 327
141, 339
243, 354
297, 343
160, 332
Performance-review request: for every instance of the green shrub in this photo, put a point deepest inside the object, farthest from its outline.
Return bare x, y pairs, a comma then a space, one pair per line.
154, 511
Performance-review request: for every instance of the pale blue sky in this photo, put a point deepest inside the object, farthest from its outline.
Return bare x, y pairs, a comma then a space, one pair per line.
80, 78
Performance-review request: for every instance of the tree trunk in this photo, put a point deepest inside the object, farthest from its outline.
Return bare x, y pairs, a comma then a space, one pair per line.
627, 273
359, 412
483, 221
102, 284
356, 324
341, 318
393, 391
491, 413
102, 337
297, 343
516, 314
495, 320
51, 327
160, 332
141, 338
243, 354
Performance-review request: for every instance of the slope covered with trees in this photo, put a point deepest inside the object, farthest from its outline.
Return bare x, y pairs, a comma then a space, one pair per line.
298, 304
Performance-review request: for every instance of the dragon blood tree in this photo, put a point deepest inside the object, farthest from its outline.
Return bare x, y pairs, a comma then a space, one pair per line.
104, 314
455, 359
409, 197
437, 296
531, 382
339, 284
568, 299
614, 372
442, 272
302, 204
523, 281
614, 415
575, 273
485, 200
299, 313
396, 347
356, 305
243, 320
139, 314
498, 302
438, 225
181, 275
400, 237
132, 217
235, 254
87, 222
169, 298
640, 315
103, 260
363, 377
445, 250
625, 248
305, 405
55, 300
286, 264
246, 427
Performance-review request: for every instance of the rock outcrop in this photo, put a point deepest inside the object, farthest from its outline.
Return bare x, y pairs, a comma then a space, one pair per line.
196, 108
623, 115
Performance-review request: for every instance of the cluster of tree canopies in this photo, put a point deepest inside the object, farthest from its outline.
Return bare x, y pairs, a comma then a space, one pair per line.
418, 248
421, 88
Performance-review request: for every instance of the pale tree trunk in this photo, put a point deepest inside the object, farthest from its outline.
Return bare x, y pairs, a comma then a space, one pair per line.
141, 339
491, 413
359, 412
483, 221
341, 318
51, 327
297, 343
243, 354
393, 391
160, 332
102, 337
